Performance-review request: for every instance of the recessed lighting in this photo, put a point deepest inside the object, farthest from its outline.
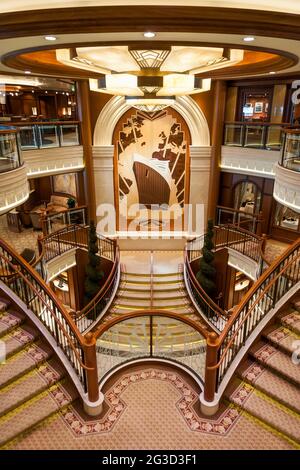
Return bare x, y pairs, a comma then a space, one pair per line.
27, 72
149, 34
272, 73
249, 38
50, 38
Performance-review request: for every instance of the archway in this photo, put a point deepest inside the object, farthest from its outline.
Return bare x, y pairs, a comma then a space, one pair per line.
103, 151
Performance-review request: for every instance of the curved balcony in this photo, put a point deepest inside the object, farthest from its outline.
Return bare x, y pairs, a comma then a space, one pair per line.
287, 187
14, 188
51, 147
48, 148
287, 171
247, 147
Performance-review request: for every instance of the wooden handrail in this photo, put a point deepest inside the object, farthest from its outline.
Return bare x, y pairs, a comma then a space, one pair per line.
237, 211
256, 286
99, 296
213, 307
235, 316
243, 230
205, 297
48, 292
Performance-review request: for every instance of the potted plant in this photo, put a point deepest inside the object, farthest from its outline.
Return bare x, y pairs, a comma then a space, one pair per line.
71, 202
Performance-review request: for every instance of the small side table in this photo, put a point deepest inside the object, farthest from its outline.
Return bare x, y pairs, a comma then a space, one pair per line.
14, 221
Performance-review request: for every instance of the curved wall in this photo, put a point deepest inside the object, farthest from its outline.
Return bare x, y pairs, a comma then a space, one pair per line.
14, 189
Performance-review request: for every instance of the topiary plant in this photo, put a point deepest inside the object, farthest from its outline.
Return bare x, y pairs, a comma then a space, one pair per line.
93, 273
207, 272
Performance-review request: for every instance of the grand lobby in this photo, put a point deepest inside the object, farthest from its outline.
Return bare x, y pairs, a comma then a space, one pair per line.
149, 225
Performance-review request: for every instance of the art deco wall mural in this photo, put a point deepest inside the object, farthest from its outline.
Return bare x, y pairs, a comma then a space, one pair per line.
151, 166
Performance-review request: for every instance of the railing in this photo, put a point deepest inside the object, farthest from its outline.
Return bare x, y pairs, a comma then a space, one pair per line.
10, 154
230, 236
229, 215
76, 236
205, 305
96, 308
147, 335
55, 221
276, 281
39, 135
239, 239
38, 297
260, 135
290, 154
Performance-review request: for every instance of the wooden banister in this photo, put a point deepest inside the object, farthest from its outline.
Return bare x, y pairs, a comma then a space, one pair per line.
49, 305
220, 347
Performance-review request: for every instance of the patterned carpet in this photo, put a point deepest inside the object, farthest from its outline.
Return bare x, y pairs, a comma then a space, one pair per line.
274, 249
25, 239
151, 408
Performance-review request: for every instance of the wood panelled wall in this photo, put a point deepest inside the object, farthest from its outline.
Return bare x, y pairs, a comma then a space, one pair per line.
228, 183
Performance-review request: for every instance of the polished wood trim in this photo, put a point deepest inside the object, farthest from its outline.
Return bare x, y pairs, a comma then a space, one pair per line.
8, 130
41, 283
86, 310
87, 143
216, 142
42, 59
160, 18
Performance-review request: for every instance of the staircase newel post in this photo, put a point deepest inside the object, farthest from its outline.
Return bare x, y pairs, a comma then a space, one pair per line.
208, 405
95, 398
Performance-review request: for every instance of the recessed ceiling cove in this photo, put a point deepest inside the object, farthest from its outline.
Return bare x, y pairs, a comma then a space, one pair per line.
150, 77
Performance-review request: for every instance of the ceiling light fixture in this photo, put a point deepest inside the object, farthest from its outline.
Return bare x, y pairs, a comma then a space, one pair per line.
50, 38
145, 73
249, 38
272, 73
149, 34
27, 72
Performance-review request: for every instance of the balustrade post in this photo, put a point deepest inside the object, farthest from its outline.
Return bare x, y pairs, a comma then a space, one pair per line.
40, 243
208, 405
95, 398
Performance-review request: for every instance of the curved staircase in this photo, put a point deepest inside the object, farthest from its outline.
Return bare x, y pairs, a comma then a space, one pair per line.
266, 385
167, 290
33, 384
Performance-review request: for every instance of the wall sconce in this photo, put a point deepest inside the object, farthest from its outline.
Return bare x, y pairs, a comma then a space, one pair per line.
34, 111
64, 111
69, 111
